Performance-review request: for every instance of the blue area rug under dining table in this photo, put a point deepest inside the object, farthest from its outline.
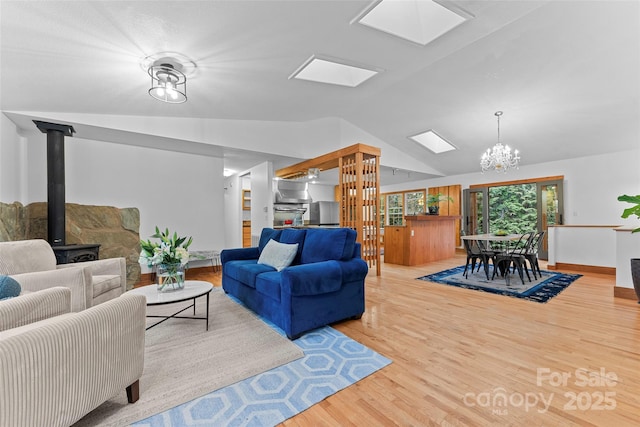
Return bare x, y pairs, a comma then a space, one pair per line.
332, 362
542, 289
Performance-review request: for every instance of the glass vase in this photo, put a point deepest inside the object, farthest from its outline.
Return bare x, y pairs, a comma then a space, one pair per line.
170, 277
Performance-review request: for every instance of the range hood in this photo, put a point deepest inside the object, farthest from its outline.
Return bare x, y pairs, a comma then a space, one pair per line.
289, 191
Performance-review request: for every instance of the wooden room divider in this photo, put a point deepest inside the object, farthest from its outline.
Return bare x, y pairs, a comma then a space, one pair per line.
359, 192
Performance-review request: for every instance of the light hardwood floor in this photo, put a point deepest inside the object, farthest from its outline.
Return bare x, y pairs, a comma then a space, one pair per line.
456, 352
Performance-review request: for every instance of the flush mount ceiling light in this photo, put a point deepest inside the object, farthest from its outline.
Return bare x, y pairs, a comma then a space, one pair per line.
433, 142
168, 84
169, 72
419, 21
499, 158
325, 70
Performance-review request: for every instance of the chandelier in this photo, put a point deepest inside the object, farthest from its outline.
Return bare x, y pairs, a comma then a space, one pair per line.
499, 158
168, 84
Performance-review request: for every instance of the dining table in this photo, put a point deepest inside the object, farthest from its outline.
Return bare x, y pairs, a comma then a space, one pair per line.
492, 237
504, 241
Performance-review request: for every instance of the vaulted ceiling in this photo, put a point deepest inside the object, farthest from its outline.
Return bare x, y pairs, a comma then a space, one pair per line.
565, 73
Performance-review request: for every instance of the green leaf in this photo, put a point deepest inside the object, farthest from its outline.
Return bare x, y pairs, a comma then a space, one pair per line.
633, 210
630, 199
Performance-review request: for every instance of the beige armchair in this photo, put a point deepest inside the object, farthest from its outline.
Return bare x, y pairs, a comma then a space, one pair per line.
57, 366
33, 264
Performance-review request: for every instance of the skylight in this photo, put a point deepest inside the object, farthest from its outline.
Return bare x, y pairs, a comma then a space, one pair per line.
328, 71
433, 142
419, 21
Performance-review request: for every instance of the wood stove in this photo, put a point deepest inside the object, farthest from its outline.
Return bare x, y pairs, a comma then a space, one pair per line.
56, 197
68, 254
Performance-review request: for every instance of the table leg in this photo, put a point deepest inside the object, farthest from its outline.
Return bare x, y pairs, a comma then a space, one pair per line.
207, 315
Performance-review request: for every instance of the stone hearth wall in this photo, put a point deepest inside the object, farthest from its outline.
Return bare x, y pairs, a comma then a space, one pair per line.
116, 230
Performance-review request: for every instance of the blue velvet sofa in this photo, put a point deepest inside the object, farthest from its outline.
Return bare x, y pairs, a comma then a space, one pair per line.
324, 284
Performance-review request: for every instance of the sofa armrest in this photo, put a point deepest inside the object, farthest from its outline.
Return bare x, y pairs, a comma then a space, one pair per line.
238, 254
34, 307
312, 279
60, 371
108, 266
354, 269
77, 279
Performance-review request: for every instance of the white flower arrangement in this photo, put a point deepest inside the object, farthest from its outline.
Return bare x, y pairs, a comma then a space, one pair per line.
170, 249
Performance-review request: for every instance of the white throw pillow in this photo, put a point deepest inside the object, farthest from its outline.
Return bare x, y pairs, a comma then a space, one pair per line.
278, 255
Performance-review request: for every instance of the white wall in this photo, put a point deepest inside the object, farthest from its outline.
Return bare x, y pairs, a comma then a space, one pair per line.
12, 157
594, 246
261, 197
174, 190
232, 211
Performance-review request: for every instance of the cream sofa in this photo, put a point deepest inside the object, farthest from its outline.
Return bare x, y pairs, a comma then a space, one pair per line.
33, 264
57, 366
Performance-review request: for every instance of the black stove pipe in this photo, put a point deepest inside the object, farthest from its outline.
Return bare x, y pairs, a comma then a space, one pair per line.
55, 180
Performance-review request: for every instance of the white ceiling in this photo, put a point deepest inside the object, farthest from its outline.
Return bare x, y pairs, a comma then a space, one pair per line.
565, 73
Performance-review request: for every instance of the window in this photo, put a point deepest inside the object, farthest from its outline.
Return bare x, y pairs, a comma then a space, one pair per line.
394, 206
395, 214
414, 202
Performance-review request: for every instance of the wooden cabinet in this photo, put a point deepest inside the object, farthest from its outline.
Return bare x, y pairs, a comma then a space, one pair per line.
246, 200
453, 208
394, 244
246, 234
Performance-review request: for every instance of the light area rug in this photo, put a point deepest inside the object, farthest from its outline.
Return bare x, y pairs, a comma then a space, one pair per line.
331, 363
545, 287
183, 361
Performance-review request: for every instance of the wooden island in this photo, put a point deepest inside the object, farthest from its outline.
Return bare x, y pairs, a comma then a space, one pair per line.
424, 239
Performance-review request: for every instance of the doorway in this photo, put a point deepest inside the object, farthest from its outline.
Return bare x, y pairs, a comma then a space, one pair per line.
246, 210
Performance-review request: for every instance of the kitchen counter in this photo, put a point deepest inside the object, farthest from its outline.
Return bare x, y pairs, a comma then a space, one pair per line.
424, 239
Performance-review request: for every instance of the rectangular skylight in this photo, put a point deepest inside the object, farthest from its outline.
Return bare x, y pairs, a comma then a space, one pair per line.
420, 21
329, 71
432, 141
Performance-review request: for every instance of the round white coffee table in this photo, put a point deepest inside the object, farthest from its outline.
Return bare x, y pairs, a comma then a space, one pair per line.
192, 290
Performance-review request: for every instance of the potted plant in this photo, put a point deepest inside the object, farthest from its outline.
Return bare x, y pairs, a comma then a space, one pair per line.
635, 262
433, 202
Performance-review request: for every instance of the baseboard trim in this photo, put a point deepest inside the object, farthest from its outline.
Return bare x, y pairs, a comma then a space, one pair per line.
581, 267
625, 293
150, 278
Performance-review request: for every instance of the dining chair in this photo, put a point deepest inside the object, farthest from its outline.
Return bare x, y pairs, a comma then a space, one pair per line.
532, 253
476, 251
514, 258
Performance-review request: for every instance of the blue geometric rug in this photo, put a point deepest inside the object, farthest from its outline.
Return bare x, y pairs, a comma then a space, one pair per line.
541, 290
331, 363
